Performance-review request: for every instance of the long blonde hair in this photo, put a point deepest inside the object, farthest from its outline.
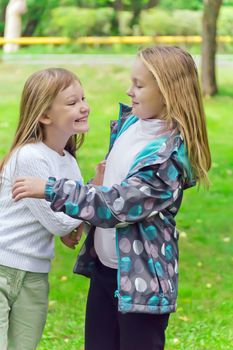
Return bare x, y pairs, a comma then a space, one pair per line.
176, 74
38, 94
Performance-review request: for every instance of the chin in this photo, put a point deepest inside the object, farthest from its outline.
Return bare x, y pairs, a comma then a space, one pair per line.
83, 130
134, 110
140, 115
137, 112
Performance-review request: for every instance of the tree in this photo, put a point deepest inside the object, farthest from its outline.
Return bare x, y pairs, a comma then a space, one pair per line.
208, 75
38, 12
137, 6
13, 23
117, 6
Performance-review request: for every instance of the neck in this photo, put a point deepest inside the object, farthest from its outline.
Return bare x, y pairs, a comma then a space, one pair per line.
55, 141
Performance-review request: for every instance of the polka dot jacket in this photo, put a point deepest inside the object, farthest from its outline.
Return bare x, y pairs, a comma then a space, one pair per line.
142, 209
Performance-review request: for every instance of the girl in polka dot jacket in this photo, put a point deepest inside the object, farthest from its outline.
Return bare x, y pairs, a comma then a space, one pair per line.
158, 148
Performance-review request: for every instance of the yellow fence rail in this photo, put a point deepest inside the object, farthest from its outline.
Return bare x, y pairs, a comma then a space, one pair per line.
93, 40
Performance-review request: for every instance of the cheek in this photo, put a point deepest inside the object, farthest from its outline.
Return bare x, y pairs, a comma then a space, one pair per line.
70, 114
65, 118
155, 100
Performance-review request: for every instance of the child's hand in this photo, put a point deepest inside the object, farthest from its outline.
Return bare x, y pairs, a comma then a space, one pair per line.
73, 238
99, 174
28, 187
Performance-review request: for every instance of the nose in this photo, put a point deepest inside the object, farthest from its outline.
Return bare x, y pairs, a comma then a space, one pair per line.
85, 107
130, 91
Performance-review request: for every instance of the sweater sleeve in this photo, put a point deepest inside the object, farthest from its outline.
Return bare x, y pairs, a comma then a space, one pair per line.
149, 191
59, 224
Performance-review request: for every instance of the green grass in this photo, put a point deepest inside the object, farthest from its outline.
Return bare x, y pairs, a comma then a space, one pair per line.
204, 319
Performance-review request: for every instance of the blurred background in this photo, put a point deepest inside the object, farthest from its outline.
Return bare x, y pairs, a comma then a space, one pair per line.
98, 40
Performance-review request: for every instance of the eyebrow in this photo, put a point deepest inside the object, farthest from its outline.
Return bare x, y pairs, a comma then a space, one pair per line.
137, 80
73, 96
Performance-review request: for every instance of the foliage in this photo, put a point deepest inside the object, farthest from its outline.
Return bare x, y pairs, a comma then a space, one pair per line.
73, 22
225, 22
181, 4
90, 17
178, 22
37, 15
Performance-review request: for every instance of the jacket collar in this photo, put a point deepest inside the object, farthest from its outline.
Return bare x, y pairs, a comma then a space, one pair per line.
157, 151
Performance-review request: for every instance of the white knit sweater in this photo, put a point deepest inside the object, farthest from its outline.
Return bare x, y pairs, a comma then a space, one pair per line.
27, 227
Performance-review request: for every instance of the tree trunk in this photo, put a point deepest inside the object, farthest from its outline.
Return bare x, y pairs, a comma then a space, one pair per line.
209, 30
115, 23
137, 6
13, 23
34, 16
136, 12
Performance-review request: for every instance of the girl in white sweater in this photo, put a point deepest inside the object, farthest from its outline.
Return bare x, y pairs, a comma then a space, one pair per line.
53, 111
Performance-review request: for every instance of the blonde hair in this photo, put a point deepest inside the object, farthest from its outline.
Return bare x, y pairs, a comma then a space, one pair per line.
176, 75
38, 94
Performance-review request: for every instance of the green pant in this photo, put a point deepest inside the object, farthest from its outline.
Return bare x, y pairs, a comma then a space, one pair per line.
23, 308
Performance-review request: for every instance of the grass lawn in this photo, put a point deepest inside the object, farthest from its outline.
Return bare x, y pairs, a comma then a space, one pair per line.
204, 319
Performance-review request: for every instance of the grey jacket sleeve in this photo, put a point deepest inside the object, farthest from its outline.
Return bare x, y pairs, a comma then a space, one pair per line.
152, 189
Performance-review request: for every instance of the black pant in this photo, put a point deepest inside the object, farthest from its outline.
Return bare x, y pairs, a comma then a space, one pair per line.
108, 329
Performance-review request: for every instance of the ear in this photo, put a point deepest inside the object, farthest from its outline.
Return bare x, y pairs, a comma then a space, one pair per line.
45, 119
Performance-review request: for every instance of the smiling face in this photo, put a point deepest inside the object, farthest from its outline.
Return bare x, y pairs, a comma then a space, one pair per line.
68, 114
147, 100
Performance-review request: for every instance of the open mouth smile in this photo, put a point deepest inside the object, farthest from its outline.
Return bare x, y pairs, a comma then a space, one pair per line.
81, 120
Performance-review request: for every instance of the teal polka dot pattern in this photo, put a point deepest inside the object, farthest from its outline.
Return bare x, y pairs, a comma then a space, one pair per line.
150, 232
151, 265
165, 304
104, 188
153, 301
172, 173
71, 208
147, 175
126, 303
126, 264
166, 195
104, 213
135, 211
159, 269
168, 252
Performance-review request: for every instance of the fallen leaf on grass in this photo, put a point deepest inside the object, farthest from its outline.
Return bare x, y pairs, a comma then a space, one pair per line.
226, 239
176, 341
63, 278
183, 318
